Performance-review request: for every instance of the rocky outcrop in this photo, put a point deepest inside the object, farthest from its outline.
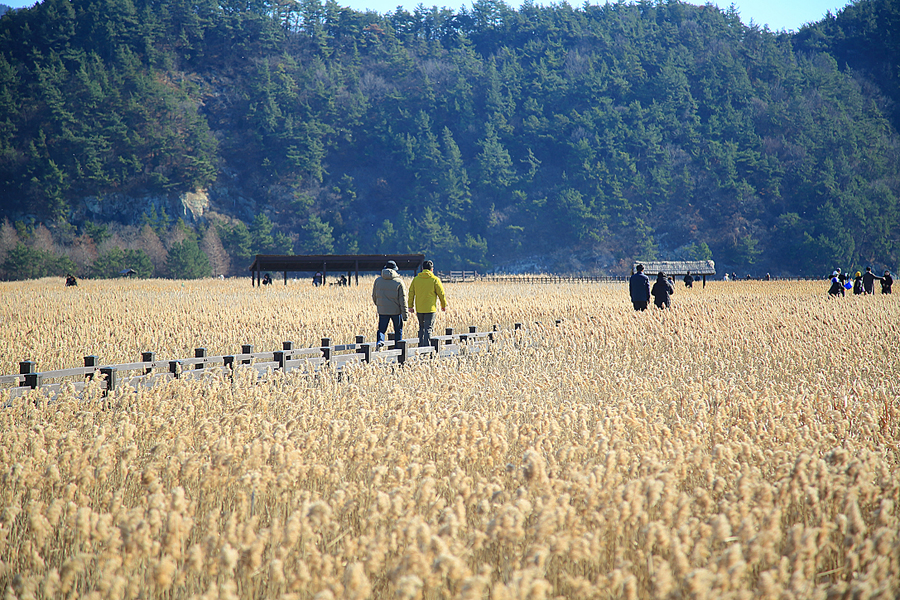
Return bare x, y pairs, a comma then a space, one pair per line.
190, 206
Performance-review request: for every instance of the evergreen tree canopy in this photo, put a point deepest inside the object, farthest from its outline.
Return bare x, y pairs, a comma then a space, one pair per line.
617, 130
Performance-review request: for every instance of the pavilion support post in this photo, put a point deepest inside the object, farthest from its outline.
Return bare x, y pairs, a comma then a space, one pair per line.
357, 272
324, 272
285, 278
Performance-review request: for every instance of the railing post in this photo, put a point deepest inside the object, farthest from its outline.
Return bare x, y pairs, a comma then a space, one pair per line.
366, 351
287, 346
91, 361
173, 368
228, 362
449, 331
28, 368
148, 357
279, 358
558, 321
111, 378
326, 348
200, 353
246, 349
518, 326
401, 345
436, 344
33, 380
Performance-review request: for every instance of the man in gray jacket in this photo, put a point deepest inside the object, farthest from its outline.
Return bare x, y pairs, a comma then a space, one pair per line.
389, 296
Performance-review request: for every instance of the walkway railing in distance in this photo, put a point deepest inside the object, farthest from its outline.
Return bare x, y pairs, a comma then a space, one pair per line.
458, 276
538, 278
150, 371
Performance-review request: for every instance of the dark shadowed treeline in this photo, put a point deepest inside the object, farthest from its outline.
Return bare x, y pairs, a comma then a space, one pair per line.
605, 133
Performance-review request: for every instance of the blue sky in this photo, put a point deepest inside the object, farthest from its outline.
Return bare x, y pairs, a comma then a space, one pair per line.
777, 14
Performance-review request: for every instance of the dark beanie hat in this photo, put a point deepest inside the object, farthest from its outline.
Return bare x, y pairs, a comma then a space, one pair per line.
391, 265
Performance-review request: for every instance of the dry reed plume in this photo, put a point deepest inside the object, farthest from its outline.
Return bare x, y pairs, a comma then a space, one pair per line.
741, 445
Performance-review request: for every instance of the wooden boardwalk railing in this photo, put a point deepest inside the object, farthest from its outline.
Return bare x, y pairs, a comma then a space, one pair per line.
475, 276
553, 278
150, 371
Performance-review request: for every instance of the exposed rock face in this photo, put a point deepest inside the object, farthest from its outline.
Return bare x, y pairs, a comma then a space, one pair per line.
189, 206
194, 204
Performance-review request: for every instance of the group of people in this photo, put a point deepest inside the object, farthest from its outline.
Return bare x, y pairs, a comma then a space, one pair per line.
319, 279
661, 291
863, 283
390, 296
734, 277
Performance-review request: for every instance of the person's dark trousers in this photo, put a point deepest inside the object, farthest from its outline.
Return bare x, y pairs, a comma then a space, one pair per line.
640, 305
383, 321
426, 324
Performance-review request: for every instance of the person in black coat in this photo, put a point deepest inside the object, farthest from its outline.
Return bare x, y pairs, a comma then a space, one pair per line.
689, 280
639, 286
662, 291
837, 288
886, 282
869, 279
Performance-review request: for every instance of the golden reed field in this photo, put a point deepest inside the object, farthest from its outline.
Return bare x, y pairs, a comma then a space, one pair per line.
742, 445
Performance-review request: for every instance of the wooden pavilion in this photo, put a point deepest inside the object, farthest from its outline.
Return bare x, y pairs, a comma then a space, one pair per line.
333, 263
678, 268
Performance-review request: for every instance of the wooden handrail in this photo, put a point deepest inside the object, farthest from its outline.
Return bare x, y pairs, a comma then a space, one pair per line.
402, 350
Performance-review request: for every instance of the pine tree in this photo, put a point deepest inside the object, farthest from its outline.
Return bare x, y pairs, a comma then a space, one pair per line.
187, 261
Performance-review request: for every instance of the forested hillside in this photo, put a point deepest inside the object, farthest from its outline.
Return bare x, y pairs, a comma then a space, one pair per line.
185, 136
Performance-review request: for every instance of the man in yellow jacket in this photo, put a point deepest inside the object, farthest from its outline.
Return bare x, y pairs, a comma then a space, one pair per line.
424, 292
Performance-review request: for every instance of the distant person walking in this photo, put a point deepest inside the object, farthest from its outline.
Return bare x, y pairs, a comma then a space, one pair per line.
424, 292
844, 277
662, 291
317, 279
858, 284
886, 282
688, 280
71, 281
837, 288
389, 296
639, 286
869, 281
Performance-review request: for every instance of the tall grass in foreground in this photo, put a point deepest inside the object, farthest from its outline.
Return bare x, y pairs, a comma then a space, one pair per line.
741, 445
